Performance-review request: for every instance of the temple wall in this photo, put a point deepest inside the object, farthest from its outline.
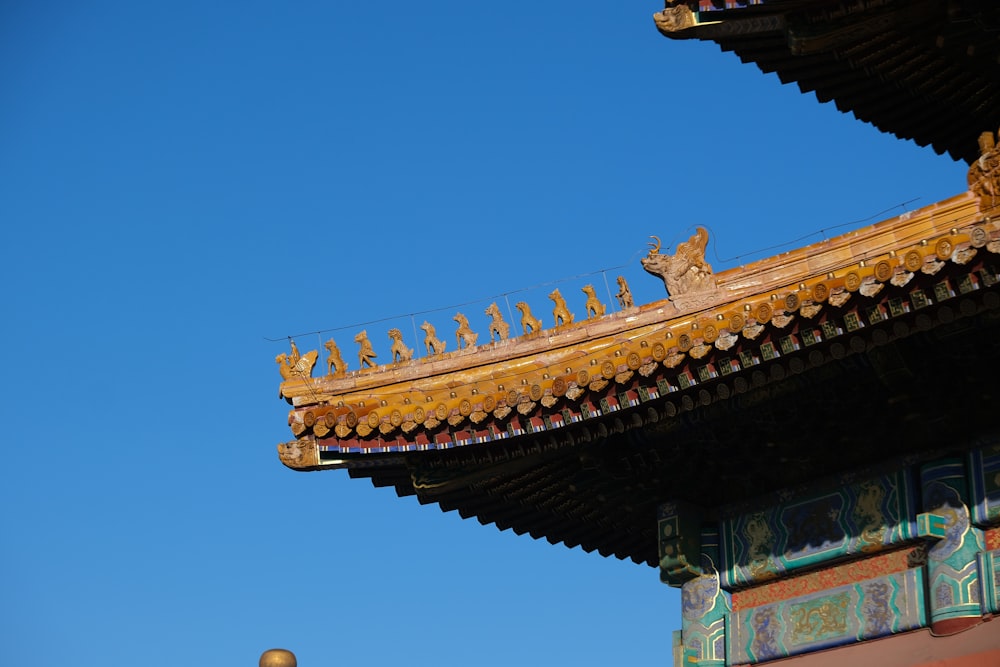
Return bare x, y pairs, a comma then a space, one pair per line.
880, 554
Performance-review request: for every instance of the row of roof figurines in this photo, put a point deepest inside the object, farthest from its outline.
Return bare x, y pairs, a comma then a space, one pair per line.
684, 272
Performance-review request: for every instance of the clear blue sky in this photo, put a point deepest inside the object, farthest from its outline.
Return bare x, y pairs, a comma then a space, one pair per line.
180, 181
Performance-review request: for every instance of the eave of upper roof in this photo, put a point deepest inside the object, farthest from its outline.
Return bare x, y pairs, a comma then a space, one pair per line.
924, 70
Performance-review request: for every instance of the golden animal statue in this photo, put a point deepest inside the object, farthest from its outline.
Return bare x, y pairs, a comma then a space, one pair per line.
984, 173
399, 350
434, 346
335, 364
594, 307
684, 272
294, 357
624, 295
529, 323
497, 325
302, 368
366, 353
465, 336
560, 313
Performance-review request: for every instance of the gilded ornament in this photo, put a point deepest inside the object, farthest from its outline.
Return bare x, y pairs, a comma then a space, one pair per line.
529, 323
751, 331
582, 378
810, 310
385, 428
364, 430
549, 400
839, 297
574, 392
852, 281
342, 430
913, 261
964, 255
791, 301
373, 419
870, 287
512, 397
782, 319
501, 412
335, 364
295, 366
674, 358
465, 407
478, 416
366, 353
684, 342
736, 323
330, 419
441, 411
624, 294
431, 342
726, 340
525, 408
559, 386
396, 418
277, 657
820, 292
984, 174
978, 237
647, 369
699, 351
597, 384
351, 419
900, 279
883, 271
684, 272
497, 326
489, 403
763, 313
560, 314
464, 336
419, 415
943, 249
633, 360
608, 369
309, 418
659, 351
932, 267
710, 333
622, 378
400, 352
594, 307
675, 19
535, 392
456, 419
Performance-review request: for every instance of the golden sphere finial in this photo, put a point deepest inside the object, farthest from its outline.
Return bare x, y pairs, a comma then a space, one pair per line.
278, 657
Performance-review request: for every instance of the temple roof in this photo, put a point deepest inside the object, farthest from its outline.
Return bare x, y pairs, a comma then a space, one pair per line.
778, 373
926, 70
